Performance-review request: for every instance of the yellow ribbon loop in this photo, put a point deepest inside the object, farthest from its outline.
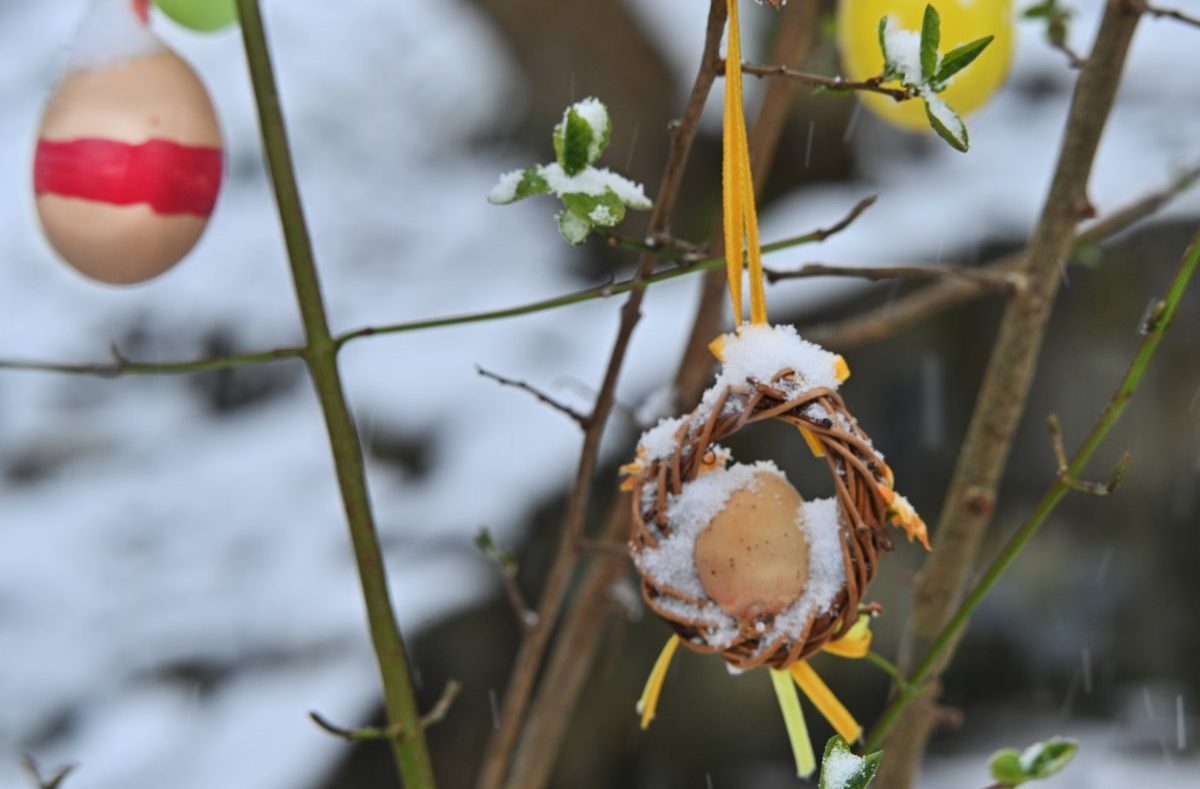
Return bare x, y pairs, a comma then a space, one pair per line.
737, 198
856, 643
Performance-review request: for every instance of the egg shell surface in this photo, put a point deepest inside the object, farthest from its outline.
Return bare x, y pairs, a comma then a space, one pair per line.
752, 558
128, 167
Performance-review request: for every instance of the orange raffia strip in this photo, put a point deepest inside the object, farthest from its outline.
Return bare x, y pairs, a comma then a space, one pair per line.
826, 703
737, 197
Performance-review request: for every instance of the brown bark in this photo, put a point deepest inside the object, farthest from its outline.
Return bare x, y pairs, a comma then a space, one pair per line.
971, 498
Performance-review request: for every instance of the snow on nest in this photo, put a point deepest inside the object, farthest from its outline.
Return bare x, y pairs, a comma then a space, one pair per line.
759, 353
659, 441
672, 563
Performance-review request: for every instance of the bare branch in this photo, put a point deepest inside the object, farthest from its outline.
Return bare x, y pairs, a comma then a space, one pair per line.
1009, 281
54, 781
507, 564
122, 366
1165, 13
609, 547
1004, 392
583, 420
922, 304
872, 85
393, 732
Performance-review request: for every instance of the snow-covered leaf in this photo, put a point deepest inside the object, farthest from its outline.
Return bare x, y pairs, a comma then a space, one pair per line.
573, 139
931, 39
603, 210
1038, 761
901, 53
946, 122
573, 227
593, 111
841, 768
1044, 759
517, 185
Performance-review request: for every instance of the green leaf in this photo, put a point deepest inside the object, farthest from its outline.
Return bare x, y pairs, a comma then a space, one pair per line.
518, 185
595, 113
959, 58
573, 227
946, 123
573, 140
484, 541
1048, 758
1006, 768
1040, 760
889, 70
603, 210
1046, 10
931, 39
842, 769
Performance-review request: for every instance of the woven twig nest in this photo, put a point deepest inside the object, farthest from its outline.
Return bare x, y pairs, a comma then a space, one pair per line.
792, 596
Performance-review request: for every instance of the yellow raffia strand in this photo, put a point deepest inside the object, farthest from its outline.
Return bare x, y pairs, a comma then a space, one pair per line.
648, 704
826, 703
793, 718
717, 348
737, 198
841, 370
815, 446
856, 643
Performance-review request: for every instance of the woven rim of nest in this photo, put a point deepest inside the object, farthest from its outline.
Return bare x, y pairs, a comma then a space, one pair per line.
864, 494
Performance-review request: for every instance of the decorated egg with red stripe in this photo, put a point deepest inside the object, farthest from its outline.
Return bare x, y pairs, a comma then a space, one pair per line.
129, 158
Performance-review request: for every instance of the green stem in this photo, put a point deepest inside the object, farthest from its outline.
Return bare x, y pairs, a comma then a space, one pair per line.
122, 367
409, 749
1161, 317
887, 667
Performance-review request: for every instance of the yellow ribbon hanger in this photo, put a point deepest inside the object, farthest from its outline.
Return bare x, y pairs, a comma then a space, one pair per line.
737, 194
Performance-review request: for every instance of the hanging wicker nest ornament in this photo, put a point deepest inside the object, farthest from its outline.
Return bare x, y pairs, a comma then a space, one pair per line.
731, 556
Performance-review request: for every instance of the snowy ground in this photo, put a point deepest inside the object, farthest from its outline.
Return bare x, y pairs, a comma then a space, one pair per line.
160, 536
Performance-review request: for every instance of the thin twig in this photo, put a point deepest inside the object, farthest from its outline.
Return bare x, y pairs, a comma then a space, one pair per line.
872, 85
533, 645
1063, 470
947, 636
923, 304
1166, 13
31, 768
392, 732
506, 563
1007, 281
1004, 391
410, 753
123, 367
583, 420
610, 547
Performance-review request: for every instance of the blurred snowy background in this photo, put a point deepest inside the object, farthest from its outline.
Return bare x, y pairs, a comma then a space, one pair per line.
176, 586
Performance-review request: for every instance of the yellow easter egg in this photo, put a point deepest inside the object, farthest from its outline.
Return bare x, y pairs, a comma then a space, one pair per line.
963, 21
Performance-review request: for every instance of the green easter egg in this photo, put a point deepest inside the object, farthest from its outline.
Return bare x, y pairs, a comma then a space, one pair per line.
205, 16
